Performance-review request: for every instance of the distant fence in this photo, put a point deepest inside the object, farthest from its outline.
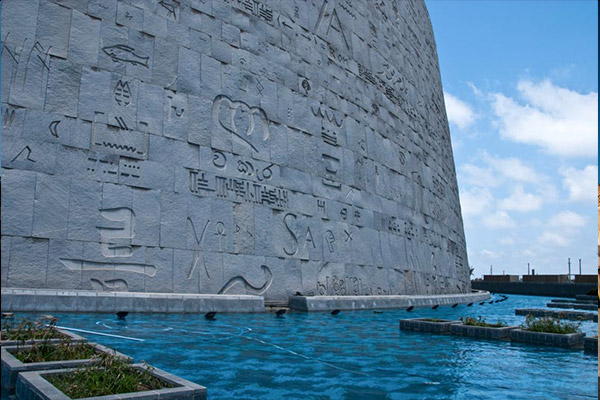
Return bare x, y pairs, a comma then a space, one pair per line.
535, 288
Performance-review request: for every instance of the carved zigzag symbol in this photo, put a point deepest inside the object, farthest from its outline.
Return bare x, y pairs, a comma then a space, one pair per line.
119, 146
329, 116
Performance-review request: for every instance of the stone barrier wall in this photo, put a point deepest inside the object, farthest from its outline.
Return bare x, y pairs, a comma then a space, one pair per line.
228, 147
535, 289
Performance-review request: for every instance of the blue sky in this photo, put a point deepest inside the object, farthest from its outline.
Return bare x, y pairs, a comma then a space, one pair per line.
521, 89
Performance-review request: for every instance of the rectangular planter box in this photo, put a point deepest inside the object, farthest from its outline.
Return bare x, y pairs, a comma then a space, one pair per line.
568, 340
71, 336
420, 325
590, 344
33, 386
482, 332
12, 366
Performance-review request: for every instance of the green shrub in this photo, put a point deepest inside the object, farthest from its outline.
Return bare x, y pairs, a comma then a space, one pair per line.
65, 350
111, 376
481, 322
433, 320
25, 329
42, 330
550, 325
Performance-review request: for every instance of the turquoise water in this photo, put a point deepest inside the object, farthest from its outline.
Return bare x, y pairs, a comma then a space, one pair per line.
354, 355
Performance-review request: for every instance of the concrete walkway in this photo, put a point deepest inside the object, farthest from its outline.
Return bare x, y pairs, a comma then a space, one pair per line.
48, 300
328, 303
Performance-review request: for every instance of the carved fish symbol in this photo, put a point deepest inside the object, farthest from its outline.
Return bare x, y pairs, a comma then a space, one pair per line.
126, 54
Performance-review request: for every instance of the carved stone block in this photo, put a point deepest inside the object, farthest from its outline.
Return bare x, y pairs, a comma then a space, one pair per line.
18, 194
83, 46
28, 262
51, 210
53, 28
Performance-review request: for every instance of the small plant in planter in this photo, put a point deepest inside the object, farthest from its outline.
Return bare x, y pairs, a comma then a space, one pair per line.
548, 331
470, 321
45, 353
481, 329
26, 331
111, 376
550, 325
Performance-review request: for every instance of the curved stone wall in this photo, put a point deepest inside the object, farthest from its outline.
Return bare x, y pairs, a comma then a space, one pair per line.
227, 146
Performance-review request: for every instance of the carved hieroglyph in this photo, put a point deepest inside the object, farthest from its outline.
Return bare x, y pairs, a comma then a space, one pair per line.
227, 146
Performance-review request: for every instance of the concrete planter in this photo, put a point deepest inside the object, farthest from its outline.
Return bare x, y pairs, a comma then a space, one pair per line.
482, 332
590, 344
12, 366
33, 386
74, 338
567, 340
422, 325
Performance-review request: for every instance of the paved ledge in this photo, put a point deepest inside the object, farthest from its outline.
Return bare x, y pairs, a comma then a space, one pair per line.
328, 303
47, 300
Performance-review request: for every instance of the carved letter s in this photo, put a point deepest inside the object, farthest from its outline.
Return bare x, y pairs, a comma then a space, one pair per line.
290, 253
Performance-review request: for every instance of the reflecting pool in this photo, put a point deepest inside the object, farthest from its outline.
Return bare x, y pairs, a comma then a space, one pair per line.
353, 355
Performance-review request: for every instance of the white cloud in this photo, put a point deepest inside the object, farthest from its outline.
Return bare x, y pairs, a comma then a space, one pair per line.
581, 184
567, 219
513, 169
507, 240
494, 170
499, 220
553, 239
472, 174
459, 112
563, 72
476, 91
475, 201
561, 121
521, 201
489, 253
529, 253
